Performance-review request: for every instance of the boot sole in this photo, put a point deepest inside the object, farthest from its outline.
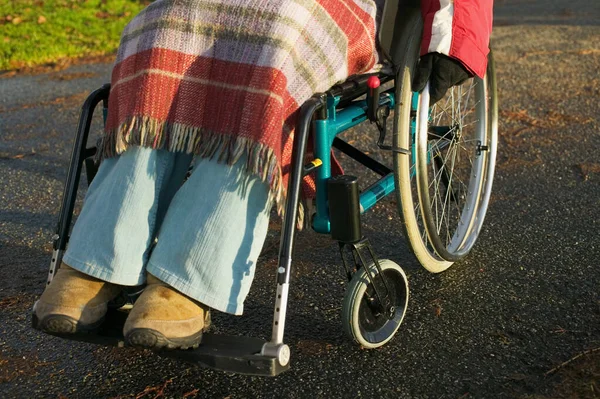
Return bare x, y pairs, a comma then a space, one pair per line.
61, 324
151, 339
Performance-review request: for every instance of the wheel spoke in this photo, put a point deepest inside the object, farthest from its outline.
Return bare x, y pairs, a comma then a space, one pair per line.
449, 188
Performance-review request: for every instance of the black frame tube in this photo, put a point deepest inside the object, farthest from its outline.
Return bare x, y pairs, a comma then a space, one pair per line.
78, 155
355, 86
288, 229
361, 157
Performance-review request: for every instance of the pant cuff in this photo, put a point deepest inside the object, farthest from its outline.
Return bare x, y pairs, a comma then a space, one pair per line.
104, 273
198, 293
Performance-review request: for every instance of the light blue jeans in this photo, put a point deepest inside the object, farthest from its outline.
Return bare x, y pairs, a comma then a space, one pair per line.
209, 231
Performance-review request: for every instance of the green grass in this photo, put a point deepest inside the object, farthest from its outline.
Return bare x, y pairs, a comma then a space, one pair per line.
34, 32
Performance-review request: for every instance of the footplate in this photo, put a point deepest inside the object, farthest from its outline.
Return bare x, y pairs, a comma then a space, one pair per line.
110, 332
235, 354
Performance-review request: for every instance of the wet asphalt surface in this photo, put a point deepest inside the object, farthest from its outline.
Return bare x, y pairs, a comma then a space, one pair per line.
524, 301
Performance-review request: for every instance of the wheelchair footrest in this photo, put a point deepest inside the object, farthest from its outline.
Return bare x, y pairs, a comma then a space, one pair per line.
235, 354
110, 332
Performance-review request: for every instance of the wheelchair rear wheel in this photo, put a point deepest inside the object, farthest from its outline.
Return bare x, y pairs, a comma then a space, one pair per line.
445, 184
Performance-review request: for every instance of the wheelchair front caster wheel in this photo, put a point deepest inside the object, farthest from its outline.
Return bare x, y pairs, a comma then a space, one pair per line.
364, 318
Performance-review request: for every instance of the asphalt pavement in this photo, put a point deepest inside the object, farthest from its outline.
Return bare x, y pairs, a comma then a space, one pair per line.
519, 317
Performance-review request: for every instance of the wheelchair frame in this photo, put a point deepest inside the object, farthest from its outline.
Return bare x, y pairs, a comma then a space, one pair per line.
321, 114
326, 115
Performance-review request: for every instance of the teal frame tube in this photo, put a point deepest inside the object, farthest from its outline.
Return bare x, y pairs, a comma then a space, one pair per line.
325, 132
379, 190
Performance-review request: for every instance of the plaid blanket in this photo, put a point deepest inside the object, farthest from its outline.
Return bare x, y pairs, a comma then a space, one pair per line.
222, 78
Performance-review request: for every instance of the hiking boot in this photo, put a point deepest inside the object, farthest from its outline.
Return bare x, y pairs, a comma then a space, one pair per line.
73, 303
164, 318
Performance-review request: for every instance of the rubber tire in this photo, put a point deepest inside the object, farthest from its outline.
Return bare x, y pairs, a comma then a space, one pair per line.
353, 298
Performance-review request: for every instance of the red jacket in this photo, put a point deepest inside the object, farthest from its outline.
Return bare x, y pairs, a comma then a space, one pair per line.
460, 29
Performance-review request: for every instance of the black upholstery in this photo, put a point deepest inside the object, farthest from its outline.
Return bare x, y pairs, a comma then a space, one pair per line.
401, 24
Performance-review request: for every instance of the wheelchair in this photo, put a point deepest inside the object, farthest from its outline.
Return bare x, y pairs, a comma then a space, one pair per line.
443, 159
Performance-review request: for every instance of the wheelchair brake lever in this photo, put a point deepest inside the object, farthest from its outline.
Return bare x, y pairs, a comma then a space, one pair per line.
381, 122
379, 113
373, 94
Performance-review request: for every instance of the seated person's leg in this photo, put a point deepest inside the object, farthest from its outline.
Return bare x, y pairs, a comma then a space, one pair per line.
110, 242
206, 255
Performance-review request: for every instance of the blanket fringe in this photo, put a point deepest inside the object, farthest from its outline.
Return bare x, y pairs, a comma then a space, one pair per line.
176, 137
